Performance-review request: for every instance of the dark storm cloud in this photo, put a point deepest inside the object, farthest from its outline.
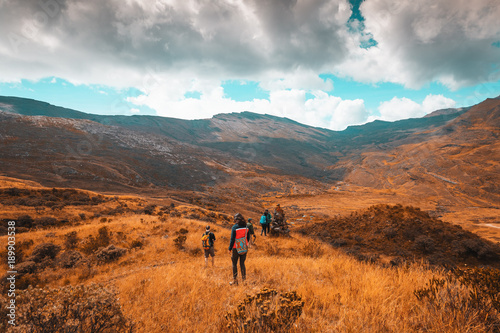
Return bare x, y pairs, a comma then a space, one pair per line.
422, 41
116, 42
232, 37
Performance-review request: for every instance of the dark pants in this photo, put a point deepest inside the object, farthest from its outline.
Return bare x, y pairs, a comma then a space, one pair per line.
234, 258
264, 229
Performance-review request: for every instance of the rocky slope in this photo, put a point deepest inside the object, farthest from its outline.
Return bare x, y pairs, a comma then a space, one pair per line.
450, 155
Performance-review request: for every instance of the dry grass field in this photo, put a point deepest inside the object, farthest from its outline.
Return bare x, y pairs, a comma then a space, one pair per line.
156, 274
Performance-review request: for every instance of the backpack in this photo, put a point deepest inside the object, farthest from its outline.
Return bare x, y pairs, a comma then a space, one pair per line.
251, 230
205, 241
241, 243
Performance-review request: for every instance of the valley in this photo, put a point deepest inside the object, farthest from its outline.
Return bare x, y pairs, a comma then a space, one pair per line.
112, 209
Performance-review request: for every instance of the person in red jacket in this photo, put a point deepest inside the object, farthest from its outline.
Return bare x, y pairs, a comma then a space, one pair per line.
238, 246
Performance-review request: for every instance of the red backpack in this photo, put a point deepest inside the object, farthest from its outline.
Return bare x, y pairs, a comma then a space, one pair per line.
241, 243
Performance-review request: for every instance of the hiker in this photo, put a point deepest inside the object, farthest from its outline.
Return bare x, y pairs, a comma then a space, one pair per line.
238, 246
207, 241
279, 214
265, 222
251, 231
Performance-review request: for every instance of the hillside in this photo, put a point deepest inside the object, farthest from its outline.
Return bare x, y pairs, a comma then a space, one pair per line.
449, 158
398, 234
454, 163
138, 256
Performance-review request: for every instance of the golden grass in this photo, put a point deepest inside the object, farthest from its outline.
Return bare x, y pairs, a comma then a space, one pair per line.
164, 289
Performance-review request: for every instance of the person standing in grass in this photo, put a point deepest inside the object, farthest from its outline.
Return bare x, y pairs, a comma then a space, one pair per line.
251, 231
265, 221
208, 241
238, 246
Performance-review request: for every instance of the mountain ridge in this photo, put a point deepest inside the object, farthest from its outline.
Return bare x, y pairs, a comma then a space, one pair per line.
413, 155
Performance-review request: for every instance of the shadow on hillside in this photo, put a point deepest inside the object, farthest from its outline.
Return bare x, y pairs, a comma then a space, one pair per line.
402, 234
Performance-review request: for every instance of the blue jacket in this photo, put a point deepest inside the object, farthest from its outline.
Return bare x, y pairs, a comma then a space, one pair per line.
265, 219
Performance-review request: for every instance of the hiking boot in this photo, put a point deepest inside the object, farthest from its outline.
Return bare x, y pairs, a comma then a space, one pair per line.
234, 283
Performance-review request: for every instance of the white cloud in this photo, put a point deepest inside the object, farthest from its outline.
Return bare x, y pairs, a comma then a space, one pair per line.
432, 103
347, 113
321, 111
400, 108
404, 108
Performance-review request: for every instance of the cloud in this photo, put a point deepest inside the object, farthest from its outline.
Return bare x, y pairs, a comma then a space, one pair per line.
115, 42
167, 48
322, 110
424, 41
404, 108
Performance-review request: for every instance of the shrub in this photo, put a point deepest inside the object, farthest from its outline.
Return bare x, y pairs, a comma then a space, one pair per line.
104, 236
24, 221
182, 231
196, 252
266, 311
175, 214
13, 191
71, 240
44, 251
425, 244
137, 243
389, 232
180, 241
149, 210
110, 253
193, 216
339, 242
476, 248
92, 244
89, 245
484, 284
91, 308
26, 267
26, 280
45, 221
69, 259
472, 292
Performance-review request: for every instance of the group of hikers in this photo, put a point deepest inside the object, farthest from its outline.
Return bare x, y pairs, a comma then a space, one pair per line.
242, 236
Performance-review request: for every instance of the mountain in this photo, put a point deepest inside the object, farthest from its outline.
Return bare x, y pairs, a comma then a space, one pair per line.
459, 160
451, 154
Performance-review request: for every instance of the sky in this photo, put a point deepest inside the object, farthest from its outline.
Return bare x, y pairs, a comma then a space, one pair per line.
325, 63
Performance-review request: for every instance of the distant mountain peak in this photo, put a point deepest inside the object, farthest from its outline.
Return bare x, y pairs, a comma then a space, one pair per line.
248, 115
448, 111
